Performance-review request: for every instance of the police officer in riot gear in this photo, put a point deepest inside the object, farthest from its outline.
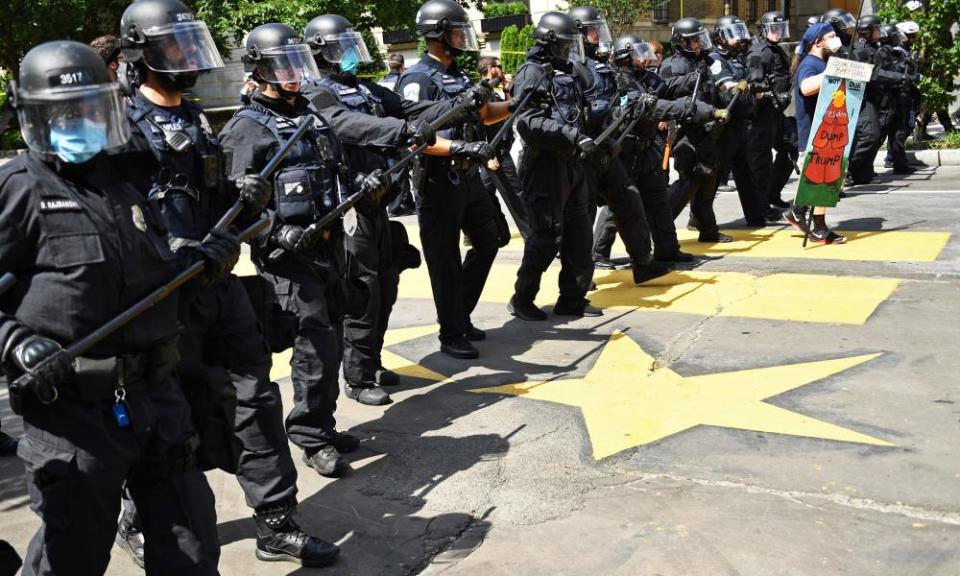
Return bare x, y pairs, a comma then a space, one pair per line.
168, 49
305, 265
642, 150
552, 145
879, 101
729, 75
85, 245
363, 113
606, 177
696, 155
908, 101
844, 24
771, 129
451, 195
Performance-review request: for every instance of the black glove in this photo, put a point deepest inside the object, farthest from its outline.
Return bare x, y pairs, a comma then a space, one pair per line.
373, 184
586, 145
479, 94
480, 151
649, 101
220, 254
702, 113
420, 133
703, 67
43, 359
288, 237
255, 192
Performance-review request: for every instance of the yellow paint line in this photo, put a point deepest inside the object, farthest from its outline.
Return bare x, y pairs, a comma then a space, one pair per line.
790, 297
785, 242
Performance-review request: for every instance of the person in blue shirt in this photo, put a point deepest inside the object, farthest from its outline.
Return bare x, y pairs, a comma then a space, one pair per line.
819, 42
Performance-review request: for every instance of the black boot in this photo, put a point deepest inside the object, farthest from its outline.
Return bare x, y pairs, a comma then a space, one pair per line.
130, 540
327, 462
474, 334
387, 377
369, 394
279, 538
459, 348
525, 310
577, 310
344, 443
654, 269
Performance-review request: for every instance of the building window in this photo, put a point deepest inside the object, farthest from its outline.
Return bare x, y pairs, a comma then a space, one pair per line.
752, 15
661, 12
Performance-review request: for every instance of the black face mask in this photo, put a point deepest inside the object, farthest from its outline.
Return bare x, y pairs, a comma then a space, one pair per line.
179, 81
844, 37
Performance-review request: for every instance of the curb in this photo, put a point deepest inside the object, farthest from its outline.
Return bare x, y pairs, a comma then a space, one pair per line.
945, 157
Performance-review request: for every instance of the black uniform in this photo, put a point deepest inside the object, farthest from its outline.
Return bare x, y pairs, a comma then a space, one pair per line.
728, 66
308, 184
877, 110
555, 190
452, 199
606, 177
695, 152
374, 272
771, 130
642, 155
220, 325
85, 245
904, 108
506, 181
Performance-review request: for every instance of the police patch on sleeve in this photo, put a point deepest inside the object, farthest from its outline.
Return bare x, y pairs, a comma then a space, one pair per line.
138, 220
350, 222
411, 92
716, 67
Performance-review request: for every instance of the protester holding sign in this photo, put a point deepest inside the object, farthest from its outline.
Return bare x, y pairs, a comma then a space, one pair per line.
819, 41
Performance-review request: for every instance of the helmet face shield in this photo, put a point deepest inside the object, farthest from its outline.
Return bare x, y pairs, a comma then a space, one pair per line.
777, 31
346, 46
93, 116
735, 32
696, 42
598, 33
847, 21
291, 64
462, 36
181, 47
643, 56
575, 50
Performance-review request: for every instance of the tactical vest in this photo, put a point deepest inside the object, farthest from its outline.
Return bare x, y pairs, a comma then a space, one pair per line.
307, 186
357, 98
566, 96
189, 156
448, 87
601, 93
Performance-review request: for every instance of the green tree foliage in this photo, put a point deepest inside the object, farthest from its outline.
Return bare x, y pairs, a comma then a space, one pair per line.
940, 55
514, 44
621, 14
495, 10
26, 23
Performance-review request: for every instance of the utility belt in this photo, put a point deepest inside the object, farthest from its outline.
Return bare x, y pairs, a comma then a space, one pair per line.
441, 163
96, 379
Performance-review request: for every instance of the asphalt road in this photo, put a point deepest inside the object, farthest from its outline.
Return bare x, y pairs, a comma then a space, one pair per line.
769, 410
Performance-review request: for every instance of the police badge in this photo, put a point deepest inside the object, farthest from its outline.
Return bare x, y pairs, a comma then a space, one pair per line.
138, 220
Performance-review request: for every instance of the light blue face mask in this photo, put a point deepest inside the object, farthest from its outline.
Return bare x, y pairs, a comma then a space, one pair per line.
350, 61
78, 139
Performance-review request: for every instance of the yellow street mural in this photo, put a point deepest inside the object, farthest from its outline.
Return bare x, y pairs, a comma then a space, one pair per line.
625, 404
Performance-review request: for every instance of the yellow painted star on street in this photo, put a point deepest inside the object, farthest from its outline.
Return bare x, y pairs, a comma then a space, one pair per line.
625, 404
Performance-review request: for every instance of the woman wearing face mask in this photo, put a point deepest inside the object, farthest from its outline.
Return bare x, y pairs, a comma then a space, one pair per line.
818, 43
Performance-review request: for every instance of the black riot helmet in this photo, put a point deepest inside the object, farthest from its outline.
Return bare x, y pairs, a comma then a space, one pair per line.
557, 33
334, 42
690, 37
842, 20
730, 29
632, 52
447, 21
66, 102
593, 28
891, 35
276, 54
166, 37
774, 26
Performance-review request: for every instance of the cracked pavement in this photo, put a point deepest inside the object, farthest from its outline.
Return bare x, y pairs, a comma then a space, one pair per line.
458, 483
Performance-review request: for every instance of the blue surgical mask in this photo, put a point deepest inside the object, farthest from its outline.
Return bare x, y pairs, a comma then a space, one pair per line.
349, 62
78, 139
